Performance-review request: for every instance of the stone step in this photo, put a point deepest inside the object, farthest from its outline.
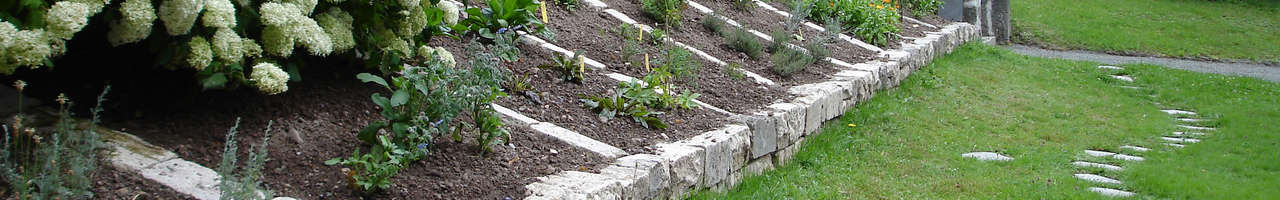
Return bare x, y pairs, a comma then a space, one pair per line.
564, 135
987, 156
1135, 148
1097, 165
1125, 78
1180, 133
1178, 112
1112, 155
1131, 87
1110, 67
1175, 145
1198, 128
1111, 192
1180, 140
1191, 120
1098, 179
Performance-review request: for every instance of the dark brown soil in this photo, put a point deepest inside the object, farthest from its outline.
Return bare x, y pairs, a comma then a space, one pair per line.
110, 183
766, 21
561, 105
597, 33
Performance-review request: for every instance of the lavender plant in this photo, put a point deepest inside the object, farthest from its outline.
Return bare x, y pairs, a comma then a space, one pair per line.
60, 167
247, 184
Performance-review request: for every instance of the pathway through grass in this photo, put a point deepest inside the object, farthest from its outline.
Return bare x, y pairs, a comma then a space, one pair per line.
1176, 28
906, 143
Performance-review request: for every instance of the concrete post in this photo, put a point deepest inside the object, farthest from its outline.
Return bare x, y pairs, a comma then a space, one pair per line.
1000, 20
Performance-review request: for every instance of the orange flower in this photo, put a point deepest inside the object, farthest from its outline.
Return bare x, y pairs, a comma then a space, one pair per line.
879, 7
887, 1
833, 4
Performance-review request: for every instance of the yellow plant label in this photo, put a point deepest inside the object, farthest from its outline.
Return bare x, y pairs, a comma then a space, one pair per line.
544, 12
582, 64
646, 63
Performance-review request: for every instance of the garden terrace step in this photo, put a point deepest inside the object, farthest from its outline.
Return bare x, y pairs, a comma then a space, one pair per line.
813, 26
707, 11
626, 19
922, 23
718, 159
565, 135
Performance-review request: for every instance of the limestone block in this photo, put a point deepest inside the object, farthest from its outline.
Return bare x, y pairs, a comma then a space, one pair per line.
790, 118
764, 134
725, 151
185, 177
641, 176
784, 156
578, 140
686, 167
575, 185
758, 166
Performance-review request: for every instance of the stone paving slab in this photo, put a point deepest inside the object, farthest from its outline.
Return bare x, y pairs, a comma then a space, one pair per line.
1180, 140
1135, 148
1197, 128
1098, 179
987, 156
1178, 112
1097, 165
1111, 192
1125, 78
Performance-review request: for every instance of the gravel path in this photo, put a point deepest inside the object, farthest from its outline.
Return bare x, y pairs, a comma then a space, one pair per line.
1241, 69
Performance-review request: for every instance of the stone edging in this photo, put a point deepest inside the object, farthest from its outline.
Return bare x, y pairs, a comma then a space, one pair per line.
754, 143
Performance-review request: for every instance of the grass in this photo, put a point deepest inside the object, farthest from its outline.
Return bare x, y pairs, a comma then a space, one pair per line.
906, 143
1241, 29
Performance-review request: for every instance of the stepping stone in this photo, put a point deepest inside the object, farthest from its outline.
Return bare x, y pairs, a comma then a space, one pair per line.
1110, 67
1125, 78
1112, 155
1197, 128
1180, 140
1131, 87
1178, 112
1190, 120
1097, 165
987, 156
1135, 148
1188, 133
1175, 145
1097, 179
1111, 192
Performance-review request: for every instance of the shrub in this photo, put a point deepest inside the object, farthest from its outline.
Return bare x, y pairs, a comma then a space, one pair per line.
715, 24
502, 16
57, 166
788, 61
873, 21
571, 68
744, 42
780, 40
924, 7
666, 11
248, 183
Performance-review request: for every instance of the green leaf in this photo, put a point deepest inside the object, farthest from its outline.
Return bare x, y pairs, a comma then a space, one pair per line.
369, 133
366, 77
400, 97
294, 75
333, 161
217, 80
382, 102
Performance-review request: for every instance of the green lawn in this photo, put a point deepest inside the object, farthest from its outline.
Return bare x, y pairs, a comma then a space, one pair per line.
907, 141
1247, 29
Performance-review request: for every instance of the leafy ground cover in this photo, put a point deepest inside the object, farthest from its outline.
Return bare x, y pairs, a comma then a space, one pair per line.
1178, 28
906, 142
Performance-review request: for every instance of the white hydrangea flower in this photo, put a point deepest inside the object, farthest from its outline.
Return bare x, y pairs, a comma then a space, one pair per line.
136, 17
250, 47
410, 3
306, 6
275, 42
28, 48
227, 46
445, 57
179, 15
219, 14
269, 78
414, 24
451, 12
388, 40
95, 6
337, 24
278, 14
200, 53
309, 34
65, 18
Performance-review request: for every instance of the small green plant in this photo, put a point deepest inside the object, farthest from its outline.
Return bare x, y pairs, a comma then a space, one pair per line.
567, 4
679, 63
665, 11
743, 5
505, 46
733, 70
502, 16
781, 39
57, 166
618, 105
815, 48
248, 183
831, 29
715, 24
631, 44
788, 61
924, 7
658, 36
373, 171
571, 68
742, 41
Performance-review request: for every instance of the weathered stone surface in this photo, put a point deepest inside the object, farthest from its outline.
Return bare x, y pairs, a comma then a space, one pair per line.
1196, 128
513, 117
1190, 120
1178, 112
1097, 179
821, 99
1098, 153
1135, 148
1175, 145
1180, 140
185, 177
790, 122
758, 166
784, 155
1110, 67
641, 176
130, 153
731, 181
1179, 133
574, 185
1111, 192
686, 167
725, 152
597, 4
1125, 78
986, 156
578, 140
1127, 157
1097, 165
764, 134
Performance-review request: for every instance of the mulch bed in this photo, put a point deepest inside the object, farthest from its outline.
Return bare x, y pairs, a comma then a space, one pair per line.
907, 28
596, 32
